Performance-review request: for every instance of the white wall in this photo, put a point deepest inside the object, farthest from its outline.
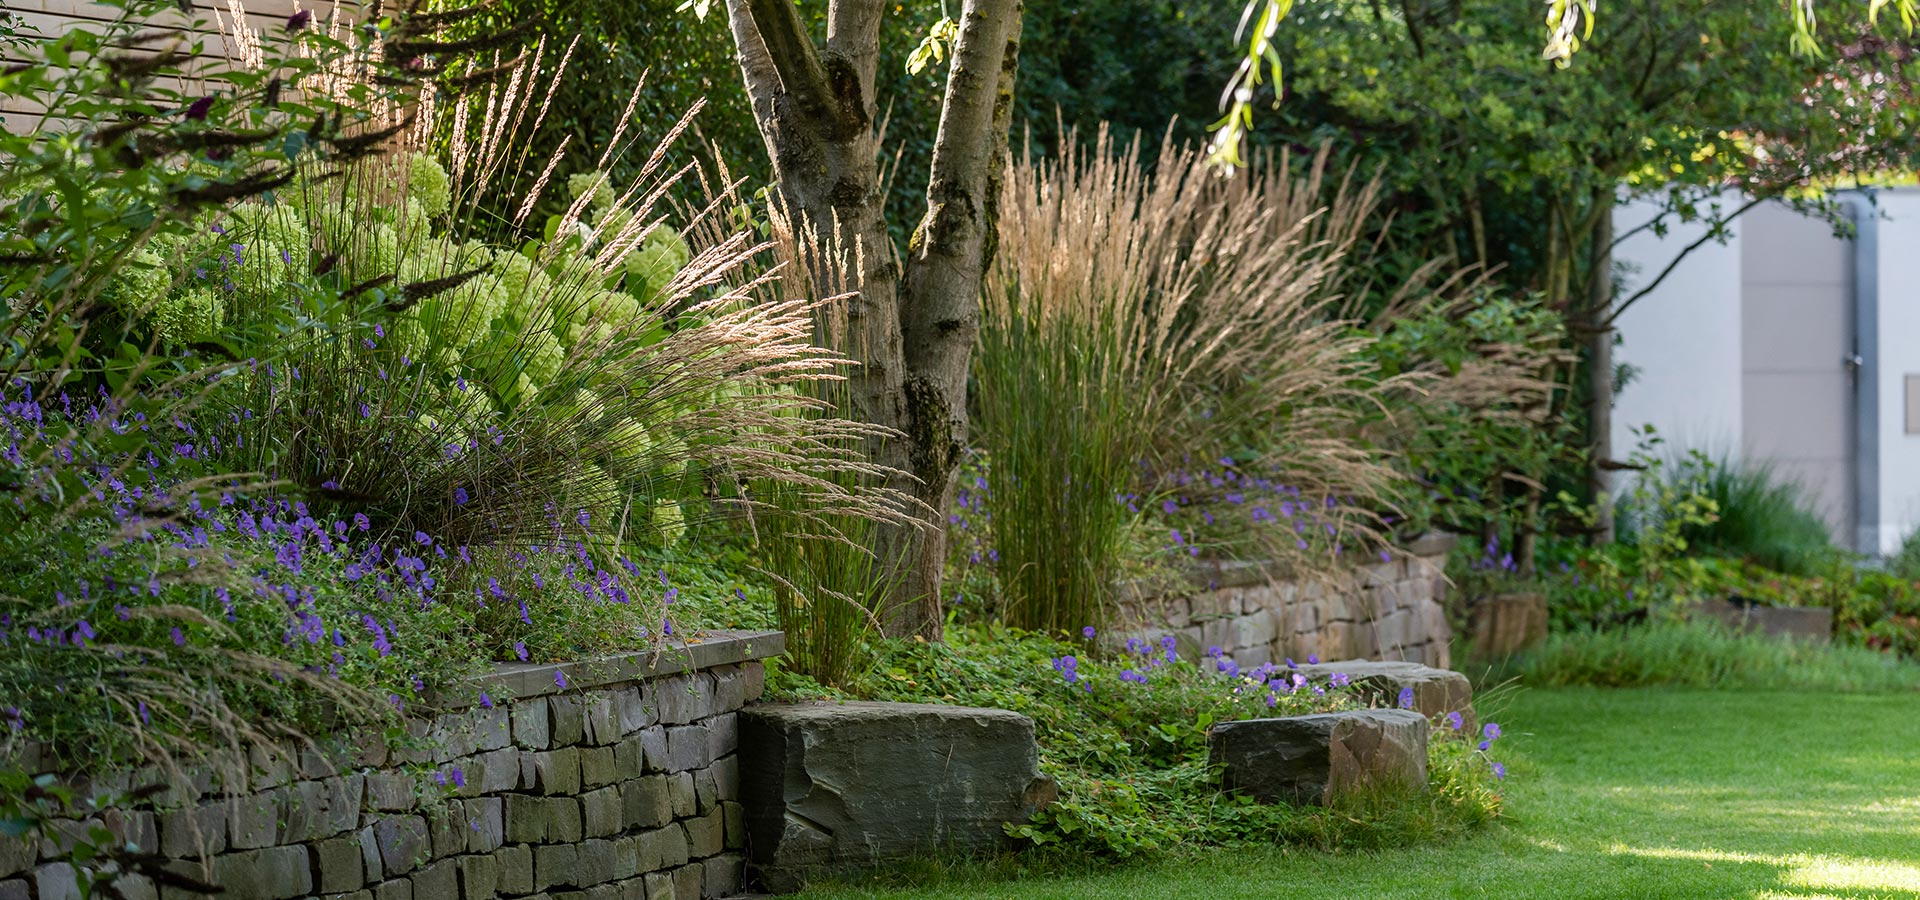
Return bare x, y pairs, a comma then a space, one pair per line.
1899, 348
1683, 340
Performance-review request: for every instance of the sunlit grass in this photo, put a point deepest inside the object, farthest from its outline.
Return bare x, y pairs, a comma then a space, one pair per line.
1627, 793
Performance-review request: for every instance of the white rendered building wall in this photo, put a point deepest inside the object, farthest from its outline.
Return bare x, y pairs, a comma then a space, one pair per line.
1683, 341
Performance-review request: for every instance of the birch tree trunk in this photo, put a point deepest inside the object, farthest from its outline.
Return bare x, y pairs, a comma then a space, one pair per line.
912, 327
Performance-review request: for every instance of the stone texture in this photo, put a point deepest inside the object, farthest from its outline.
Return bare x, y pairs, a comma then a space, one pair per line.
1436, 692
337, 865
486, 824
532, 728
404, 843
554, 864
479, 877
1316, 759
397, 889
724, 873
687, 748
557, 771
1813, 624
17, 854
680, 792
600, 813
857, 783
1505, 624
438, 881
568, 720
15, 889
516, 869
653, 742
644, 802
55, 881
273, 873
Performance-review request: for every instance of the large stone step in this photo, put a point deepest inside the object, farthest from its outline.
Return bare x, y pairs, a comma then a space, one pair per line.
844, 785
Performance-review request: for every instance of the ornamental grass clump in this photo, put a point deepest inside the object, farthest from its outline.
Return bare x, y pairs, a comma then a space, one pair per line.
1154, 338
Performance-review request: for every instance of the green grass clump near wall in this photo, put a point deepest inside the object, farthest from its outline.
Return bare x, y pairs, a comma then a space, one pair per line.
1655, 794
1704, 655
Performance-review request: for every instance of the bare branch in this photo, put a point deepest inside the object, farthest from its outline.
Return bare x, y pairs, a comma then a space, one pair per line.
793, 55
1714, 232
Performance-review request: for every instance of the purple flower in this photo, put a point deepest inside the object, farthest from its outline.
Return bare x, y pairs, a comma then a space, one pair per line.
486, 702
1499, 771
299, 20
459, 777
198, 110
1313, 659
559, 678
459, 496
520, 650
1406, 698
583, 518
1491, 731
179, 639
1087, 632
1484, 745
1339, 679
1455, 722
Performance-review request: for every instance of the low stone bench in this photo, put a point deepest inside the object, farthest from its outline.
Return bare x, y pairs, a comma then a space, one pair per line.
1436, 692
845, 785
1317, 759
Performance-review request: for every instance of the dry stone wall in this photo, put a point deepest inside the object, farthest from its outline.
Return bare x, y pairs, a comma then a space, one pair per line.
606, 780
1388, 610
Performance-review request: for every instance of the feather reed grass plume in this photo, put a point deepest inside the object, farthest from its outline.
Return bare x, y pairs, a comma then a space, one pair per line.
1136, 329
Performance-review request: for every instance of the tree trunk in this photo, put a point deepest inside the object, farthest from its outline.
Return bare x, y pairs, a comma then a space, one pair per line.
912, 326
1599, 352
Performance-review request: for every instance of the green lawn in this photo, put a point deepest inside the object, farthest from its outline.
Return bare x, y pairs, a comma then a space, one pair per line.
1614, 794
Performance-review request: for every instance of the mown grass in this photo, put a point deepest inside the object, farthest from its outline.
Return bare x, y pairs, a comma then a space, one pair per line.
1614, 793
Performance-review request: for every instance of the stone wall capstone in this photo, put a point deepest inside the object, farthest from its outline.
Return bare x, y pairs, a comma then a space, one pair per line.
1385, 610
610, 779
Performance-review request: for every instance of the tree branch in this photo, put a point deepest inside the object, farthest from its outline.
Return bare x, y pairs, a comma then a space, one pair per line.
756, 64
1713, 233
794, 57
853, 35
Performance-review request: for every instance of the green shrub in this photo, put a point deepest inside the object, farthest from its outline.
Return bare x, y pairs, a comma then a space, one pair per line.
1757, 516
1703, 655
1906, 563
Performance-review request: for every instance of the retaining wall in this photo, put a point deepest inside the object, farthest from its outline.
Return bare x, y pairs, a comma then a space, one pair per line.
1390, 610
621, 785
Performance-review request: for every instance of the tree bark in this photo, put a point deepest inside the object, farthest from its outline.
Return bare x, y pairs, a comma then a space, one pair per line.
1599, 353
913, 324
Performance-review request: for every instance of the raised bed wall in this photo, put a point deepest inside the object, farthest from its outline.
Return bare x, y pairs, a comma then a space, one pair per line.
620, 785
1388, 610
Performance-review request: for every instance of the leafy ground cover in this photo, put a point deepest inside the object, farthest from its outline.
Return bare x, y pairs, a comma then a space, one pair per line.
1622, 793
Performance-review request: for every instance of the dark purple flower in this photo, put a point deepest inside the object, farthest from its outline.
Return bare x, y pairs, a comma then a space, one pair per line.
459, 496
198, 110
299, 20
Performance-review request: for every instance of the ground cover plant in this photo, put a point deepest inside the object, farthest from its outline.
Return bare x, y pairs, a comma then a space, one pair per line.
1124, 736
1655, 793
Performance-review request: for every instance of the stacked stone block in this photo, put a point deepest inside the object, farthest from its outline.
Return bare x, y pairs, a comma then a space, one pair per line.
607, 791
1392, 610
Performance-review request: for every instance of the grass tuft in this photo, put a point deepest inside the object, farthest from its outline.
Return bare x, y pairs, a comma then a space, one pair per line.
1703, 655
